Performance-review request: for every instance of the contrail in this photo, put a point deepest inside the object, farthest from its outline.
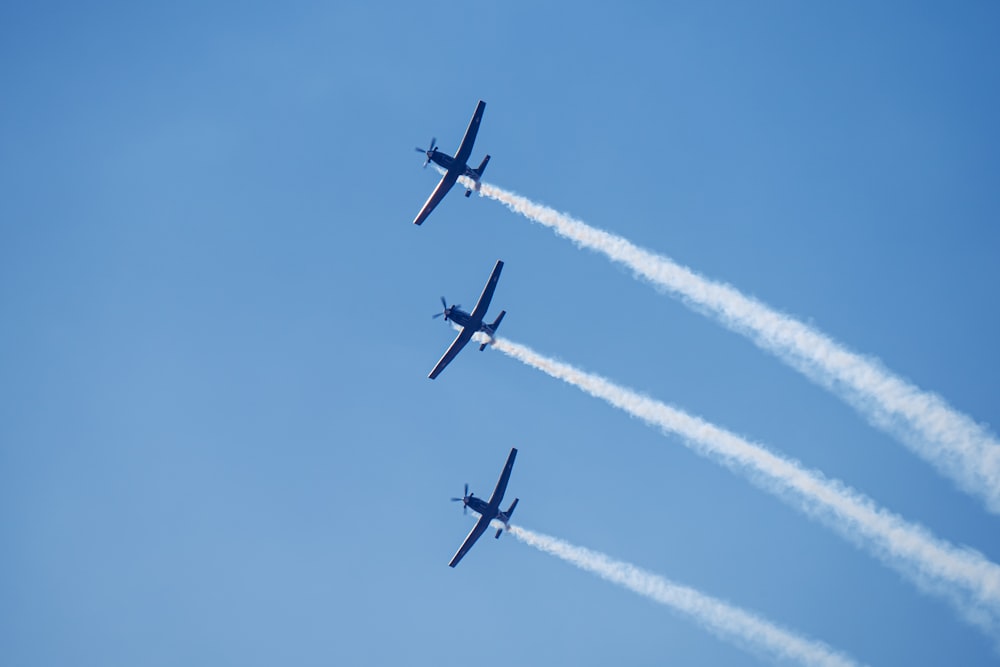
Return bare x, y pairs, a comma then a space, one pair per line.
726, 621
952, 442
962, 575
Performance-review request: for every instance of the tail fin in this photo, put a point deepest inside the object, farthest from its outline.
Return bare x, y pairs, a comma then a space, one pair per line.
510, 510
493, 328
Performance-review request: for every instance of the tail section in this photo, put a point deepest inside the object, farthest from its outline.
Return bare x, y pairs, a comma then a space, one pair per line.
506, 517
476, 174
493, 328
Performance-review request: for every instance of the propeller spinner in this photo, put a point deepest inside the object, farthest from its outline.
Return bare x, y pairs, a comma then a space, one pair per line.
429, 152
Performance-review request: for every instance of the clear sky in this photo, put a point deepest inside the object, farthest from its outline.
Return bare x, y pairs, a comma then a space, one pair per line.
218, 444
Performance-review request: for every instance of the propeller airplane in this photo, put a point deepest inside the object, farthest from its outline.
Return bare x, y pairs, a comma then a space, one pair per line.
471, 323
454, 166
488, 510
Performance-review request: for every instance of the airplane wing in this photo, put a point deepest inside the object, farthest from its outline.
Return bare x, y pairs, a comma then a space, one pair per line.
440, 191
464, 336
470, 539
465, 148
479, 312
501, 487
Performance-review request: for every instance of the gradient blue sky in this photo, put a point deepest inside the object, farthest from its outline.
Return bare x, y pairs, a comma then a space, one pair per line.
218, 444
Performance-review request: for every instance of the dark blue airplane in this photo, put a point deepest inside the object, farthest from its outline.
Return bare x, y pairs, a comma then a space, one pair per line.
487, 510
454, 166
471, 323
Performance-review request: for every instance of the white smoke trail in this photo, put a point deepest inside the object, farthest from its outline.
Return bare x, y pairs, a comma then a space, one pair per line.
951, 441
965, 577
726, 621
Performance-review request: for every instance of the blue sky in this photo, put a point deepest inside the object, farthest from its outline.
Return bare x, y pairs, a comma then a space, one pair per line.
217, 440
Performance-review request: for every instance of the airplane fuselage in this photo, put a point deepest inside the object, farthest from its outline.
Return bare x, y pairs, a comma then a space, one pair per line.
477, 505
464, 320
482, 508
443, 160
447, 162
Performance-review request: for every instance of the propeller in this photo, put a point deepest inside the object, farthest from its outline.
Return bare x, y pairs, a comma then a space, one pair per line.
428, 152
465, 505
446, 312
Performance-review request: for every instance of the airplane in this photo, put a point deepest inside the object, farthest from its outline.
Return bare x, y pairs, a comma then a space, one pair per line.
455, 166
471, 323
488, 510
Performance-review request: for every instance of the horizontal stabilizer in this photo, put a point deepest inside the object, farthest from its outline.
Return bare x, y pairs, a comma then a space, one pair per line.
496, 322
482, 167
510, 510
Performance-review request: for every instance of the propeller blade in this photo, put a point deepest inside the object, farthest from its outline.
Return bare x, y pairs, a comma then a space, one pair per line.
466, 488
420, 150
436, 315
434, 143
444, 304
